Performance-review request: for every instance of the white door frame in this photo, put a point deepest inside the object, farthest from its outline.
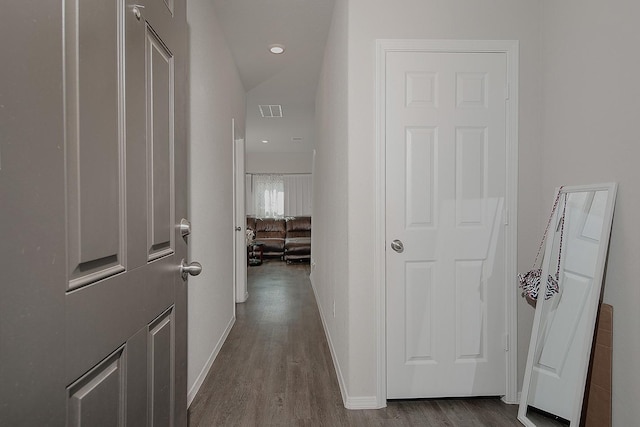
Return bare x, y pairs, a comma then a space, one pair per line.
511, 49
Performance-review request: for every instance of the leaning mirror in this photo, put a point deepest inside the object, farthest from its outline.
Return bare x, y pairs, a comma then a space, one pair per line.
564, 322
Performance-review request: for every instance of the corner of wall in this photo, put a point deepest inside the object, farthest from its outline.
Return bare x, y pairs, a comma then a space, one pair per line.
199, 380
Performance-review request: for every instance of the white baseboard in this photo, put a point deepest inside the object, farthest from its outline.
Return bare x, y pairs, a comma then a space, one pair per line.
244, 298
362, 402
336, 365
350, 402
207, 366
517, 401
508, 402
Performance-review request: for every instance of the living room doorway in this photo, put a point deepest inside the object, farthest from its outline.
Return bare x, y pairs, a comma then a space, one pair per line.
278, 217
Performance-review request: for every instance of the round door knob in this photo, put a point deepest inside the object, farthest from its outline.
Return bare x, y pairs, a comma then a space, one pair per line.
192, 269
397, 246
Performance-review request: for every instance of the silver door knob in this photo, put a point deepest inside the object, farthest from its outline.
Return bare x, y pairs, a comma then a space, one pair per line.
192, 269
397, 246
185, 227
238, 228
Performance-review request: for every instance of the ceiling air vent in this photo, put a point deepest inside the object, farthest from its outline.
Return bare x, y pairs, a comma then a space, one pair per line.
270, 111
296, 139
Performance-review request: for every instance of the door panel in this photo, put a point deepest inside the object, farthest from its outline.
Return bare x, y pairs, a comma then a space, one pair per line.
446, 185
94, 143
420, 148
419, 312
470, 311
470, 170
160, 146
97, 399
161, 345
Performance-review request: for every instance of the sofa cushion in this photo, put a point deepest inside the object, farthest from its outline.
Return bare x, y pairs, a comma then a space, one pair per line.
261, 235
297, 246
271, 233
271, 225
297, 234
298, 223
272, 246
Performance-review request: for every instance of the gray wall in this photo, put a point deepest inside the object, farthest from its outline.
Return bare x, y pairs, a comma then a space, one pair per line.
590, 113
329, 271
217, 97
267, 162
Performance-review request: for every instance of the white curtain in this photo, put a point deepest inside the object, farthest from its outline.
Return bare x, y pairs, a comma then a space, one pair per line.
248, 195
278, 195
297, 195
268, 196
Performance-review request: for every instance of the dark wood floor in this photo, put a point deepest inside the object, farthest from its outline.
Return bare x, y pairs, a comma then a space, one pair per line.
275, 369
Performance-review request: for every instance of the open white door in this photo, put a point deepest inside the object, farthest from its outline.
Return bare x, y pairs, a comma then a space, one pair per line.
240, 247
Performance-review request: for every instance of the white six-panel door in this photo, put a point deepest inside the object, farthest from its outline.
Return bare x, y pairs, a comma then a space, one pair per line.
446, 187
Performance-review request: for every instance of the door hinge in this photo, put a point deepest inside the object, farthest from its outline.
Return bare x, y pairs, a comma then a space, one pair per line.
505, 342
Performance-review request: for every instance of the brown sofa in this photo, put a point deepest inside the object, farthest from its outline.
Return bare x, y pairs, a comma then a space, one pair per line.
297, 243
271, 232
289, 239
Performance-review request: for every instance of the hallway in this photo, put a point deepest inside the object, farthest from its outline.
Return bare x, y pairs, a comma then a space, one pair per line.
275, 369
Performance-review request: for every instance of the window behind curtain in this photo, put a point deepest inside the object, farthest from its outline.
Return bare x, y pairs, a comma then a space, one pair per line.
268, 196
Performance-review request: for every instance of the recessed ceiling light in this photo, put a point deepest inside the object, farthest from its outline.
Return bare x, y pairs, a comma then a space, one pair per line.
264, 141
276, 49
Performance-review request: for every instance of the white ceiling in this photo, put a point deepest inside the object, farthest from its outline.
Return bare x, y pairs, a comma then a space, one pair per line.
289, 79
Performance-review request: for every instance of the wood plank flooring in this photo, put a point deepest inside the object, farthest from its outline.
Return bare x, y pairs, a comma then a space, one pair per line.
275, 369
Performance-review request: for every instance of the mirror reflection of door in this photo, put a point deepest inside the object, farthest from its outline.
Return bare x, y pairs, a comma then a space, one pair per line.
563, 327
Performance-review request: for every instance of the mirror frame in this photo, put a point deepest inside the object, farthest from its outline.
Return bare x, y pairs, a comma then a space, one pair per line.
592, 303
